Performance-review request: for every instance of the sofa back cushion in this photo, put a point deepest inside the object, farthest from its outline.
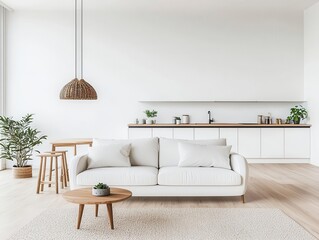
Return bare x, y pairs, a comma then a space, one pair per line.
169, 153
144, 152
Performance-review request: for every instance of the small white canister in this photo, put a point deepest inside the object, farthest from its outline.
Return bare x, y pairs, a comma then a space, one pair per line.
185, 119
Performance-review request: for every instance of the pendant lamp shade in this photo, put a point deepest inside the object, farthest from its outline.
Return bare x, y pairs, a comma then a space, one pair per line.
78, 89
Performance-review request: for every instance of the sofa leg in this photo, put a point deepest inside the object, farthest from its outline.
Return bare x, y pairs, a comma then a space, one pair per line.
242, 198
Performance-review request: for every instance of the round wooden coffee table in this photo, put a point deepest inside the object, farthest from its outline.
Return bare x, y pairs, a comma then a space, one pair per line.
84, 196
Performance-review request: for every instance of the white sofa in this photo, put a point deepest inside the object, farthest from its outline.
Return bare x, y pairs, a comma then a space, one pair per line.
155, 171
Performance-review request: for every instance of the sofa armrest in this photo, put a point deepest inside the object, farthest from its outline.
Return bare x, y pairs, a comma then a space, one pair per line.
239, 165
77, 165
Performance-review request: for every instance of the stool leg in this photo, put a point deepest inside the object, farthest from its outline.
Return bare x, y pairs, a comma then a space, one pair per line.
56, 175
43, 172
50, 173
67, 168
63, 169
39, 177
62, 174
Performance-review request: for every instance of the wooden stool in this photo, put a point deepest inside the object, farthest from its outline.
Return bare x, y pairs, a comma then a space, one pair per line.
42, 169
65, 162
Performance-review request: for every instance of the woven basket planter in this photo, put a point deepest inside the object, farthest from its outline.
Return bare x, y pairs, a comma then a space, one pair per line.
22, 172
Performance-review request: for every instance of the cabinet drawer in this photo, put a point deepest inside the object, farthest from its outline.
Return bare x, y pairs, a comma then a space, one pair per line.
297, 143
272, 143
249, 142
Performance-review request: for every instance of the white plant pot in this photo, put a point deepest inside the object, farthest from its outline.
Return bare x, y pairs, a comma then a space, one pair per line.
149, 121
100, 192
178, 121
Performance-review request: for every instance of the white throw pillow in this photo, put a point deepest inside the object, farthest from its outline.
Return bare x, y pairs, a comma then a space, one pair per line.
144, 152
169, 153
112, 155
195, 155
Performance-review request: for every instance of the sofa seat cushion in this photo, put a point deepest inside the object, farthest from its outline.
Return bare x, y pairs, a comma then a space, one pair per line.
198, 176
119, 176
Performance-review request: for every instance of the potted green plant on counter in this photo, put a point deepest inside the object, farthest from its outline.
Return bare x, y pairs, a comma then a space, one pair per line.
17, 143
296, 114
150, 115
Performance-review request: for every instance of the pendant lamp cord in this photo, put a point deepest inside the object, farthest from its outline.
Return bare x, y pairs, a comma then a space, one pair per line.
81, 39
75, 39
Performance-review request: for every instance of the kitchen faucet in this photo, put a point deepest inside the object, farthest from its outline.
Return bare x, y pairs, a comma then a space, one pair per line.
210, 119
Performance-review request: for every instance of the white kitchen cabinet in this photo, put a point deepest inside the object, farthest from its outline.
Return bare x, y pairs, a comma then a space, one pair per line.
249, 142
272, 143
297, 142
163, 132
231, 137
139, 133
183, 133
206, 133
257, 144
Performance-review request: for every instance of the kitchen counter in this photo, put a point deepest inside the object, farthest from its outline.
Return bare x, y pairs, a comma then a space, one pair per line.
218, 125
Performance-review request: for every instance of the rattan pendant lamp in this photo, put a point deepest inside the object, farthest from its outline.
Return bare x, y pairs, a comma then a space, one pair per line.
78, 89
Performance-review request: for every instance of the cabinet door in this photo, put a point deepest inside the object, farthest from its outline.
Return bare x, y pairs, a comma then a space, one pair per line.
297, 142
272, 143
163, 132
231, 137
134, 133
249, 142
184, 133
206, 133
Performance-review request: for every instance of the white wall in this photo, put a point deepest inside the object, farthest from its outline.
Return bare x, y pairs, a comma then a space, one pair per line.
312, 74
2, 70
132, 55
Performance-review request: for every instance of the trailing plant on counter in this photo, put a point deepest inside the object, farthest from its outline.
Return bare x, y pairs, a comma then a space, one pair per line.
150, 114
18, 139
296, 114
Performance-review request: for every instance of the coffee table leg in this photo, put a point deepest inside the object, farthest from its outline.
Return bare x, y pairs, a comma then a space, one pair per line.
96, 210
81, 207
110, 212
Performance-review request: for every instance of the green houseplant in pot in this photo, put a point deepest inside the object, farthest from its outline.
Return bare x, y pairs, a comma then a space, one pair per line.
296, 114
100, 190
150, 115
17, 143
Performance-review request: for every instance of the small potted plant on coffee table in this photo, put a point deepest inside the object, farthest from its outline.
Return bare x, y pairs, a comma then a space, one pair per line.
296, 114
150, 115
100, 190
17, 143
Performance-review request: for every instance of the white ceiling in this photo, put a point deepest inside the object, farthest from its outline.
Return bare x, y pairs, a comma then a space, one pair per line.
170, 5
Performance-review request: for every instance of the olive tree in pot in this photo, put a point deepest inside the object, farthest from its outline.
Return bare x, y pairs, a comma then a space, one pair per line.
17, 143
296, 114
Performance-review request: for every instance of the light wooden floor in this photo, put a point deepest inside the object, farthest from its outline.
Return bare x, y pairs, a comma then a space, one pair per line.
294, 188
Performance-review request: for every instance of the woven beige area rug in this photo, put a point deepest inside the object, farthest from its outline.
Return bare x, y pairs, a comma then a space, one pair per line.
165, 223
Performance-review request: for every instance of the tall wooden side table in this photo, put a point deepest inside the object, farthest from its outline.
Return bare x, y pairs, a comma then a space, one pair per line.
73, 142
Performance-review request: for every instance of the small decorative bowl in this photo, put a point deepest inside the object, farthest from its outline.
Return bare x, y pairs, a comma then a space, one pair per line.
101, 192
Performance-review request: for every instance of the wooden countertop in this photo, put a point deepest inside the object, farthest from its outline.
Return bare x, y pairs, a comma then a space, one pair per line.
218, 125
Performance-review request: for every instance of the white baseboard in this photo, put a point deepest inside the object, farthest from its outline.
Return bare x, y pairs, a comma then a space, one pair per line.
315, 163
278, 160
